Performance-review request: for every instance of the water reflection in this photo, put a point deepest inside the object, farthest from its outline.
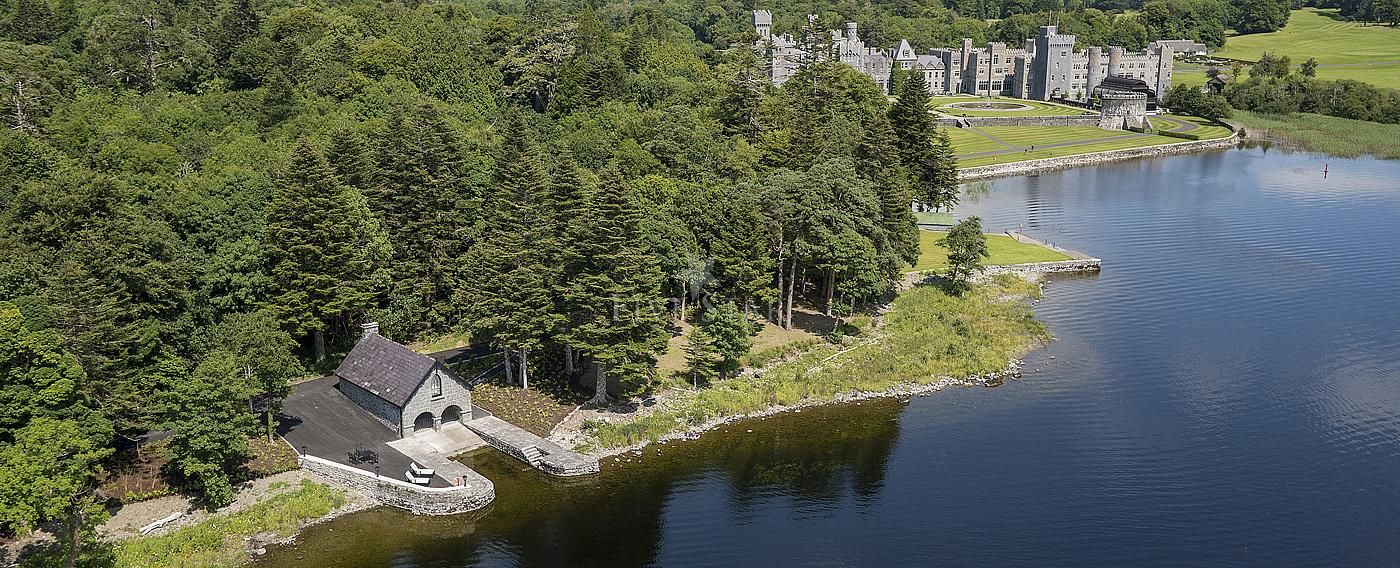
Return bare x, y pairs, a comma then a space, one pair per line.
803, 463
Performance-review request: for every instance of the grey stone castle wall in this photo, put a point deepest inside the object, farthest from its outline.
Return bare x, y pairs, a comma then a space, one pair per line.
377, 407
475, 494
454, 393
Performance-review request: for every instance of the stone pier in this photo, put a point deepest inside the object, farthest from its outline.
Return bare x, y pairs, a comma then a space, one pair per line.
540, 453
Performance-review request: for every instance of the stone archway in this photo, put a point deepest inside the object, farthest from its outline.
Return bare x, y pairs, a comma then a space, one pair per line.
424, 421
452, 414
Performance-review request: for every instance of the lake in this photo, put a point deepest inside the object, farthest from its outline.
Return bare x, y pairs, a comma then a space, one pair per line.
1225, 393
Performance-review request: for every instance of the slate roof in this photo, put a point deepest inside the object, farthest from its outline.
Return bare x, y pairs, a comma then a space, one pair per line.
388, 370
929, 62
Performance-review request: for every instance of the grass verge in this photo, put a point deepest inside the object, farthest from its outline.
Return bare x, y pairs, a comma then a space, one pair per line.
218, 542
928, 334
1004, 249
1341, 137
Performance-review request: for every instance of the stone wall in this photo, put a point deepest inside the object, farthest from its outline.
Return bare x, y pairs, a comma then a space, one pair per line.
1077, 120
1076, 265
377, 407
419, 500
513, 440
1031, 166
454, 393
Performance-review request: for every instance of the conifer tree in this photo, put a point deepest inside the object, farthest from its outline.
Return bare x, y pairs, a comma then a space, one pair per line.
350, 158
314, 245
617, 320
420, 184
923, 149
730, 332
505, 289
878, 161
702, 359
567, 195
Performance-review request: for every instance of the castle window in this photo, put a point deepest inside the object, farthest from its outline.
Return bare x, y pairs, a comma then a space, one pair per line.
437, 384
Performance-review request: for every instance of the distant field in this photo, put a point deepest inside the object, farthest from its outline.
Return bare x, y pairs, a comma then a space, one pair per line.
1346, 50
1037, 108
1004, 250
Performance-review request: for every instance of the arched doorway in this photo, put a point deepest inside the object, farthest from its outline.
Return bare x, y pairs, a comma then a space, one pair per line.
424, 421
452, 414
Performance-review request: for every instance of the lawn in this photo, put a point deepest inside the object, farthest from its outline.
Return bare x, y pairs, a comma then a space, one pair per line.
1368, 53
1080, 139
1038, 108
1004, 249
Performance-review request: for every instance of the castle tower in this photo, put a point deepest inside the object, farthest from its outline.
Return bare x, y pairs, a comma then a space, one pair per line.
1163, 54
1095, 75
1115, 58
969, 68
851, 34
763, 23
1053, 65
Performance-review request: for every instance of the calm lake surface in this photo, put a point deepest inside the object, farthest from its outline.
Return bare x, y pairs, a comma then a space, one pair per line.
1225, 393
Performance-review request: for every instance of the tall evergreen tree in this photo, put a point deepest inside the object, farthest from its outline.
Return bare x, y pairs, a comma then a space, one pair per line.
507, 274
350, 157
924, 150
322, 271
419, 188
618, 321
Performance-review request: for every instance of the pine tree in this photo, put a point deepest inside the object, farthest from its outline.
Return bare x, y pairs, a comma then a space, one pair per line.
419, 187
878, 161
617, 320
924, 150
315, 248
743, 262
703, 360
566, 197
350, 158
505, 288
730, 333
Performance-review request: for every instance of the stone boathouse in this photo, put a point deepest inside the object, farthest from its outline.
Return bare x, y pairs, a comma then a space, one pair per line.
406, 390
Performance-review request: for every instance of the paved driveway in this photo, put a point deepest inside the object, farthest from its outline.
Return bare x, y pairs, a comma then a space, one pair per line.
327, 424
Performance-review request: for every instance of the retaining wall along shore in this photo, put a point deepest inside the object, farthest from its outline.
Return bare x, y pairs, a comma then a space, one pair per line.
1075, 265
473, 495
1048, 164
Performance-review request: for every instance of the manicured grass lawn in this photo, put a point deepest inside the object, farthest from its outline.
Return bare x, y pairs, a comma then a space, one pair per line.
969, 141
1004, 249
933, 218
1311, 32
1083, 139
1120, 144
1041, 135
1038, 108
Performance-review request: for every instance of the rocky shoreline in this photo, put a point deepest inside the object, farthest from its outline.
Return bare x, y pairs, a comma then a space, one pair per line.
903, 390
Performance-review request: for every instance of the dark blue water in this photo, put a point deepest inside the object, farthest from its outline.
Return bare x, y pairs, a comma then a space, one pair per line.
1225, 393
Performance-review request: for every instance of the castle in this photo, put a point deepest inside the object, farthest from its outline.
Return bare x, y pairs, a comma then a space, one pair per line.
1044, 67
